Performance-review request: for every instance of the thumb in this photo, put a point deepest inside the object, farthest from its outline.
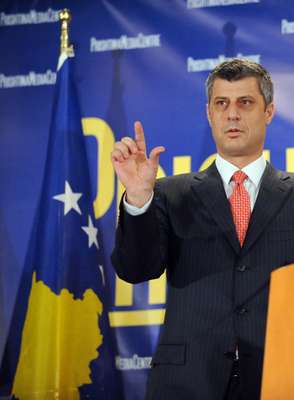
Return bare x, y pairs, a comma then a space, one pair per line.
155, 153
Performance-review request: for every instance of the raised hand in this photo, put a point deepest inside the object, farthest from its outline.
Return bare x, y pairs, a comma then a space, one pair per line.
134, 169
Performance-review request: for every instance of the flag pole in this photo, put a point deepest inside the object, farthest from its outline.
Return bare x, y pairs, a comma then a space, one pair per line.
65, 19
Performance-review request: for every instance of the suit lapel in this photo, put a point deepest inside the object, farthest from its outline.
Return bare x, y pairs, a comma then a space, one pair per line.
273, 192
208, 186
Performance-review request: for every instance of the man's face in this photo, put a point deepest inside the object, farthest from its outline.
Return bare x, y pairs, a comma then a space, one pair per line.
238, 118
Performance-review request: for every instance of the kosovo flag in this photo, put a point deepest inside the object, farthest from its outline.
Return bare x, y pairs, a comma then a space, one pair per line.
65, 349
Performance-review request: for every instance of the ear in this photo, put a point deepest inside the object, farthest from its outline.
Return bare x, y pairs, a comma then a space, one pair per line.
208, 114
269, 113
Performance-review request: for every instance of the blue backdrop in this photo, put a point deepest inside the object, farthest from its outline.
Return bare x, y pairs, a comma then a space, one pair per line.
135, 60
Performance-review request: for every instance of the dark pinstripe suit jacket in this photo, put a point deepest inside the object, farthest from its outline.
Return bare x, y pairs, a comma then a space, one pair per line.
217, 291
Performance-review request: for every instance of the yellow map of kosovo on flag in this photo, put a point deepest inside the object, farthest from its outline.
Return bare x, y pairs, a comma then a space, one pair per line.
60, 338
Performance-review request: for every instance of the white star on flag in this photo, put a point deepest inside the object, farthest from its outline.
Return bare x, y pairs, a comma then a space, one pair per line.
91, 231
69, 198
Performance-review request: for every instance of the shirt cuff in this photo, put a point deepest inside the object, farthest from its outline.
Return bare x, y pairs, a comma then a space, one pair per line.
135, 211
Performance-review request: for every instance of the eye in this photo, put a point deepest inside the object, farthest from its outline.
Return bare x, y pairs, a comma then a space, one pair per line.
246, 102
221, 103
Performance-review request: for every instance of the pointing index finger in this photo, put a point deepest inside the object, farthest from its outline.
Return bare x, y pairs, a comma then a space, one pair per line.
139, 136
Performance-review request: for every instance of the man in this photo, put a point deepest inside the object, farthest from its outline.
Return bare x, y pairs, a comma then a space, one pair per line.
219, 234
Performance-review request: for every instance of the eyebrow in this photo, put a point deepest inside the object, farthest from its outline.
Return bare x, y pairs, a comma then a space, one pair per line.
246, 96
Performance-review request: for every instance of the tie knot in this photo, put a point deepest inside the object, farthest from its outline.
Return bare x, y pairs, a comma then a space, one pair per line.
239, 177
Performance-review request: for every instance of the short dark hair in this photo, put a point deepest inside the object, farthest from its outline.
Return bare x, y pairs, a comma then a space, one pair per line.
236, 69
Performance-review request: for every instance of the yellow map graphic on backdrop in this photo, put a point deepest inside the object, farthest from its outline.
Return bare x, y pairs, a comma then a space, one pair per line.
60, 338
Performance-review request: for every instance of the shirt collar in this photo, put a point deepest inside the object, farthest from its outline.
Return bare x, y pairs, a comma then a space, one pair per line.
254, 170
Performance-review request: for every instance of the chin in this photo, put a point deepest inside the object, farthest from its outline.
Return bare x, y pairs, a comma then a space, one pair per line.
234, 151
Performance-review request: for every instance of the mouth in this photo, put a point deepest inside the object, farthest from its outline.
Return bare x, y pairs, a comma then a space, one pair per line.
233, 132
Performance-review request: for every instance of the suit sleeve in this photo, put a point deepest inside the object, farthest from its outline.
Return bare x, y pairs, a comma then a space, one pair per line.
141, 242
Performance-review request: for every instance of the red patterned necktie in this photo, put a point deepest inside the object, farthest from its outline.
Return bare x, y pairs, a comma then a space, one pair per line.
240, 205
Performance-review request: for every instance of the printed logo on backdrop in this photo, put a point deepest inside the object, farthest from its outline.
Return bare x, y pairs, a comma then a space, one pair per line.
125, 42
214, 3
207, 64
133, 363
32, 17
287, 27
30, 79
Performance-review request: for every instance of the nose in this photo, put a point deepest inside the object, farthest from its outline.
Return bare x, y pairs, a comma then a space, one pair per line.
233, 113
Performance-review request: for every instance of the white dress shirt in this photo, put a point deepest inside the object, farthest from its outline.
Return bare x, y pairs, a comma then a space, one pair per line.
254, 171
